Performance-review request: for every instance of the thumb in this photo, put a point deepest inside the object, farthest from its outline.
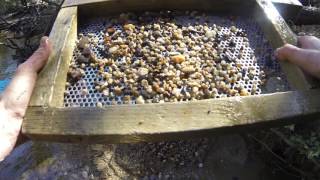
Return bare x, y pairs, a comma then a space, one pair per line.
307, 59
40, 56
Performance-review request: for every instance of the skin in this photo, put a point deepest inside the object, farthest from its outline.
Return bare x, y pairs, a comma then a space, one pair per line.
15, 99
307, 56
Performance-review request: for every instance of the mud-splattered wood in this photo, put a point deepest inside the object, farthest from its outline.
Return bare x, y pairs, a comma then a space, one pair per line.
157, 122
51, 80
278, 33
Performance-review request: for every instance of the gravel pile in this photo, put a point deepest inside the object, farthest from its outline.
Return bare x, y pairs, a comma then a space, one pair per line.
156, 58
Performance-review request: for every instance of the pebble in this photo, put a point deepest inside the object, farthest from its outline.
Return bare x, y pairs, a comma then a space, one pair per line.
178, 59
111, 30
188, 69
211, 34
233, 29
84, 174
244, 92
127, 99
83, 42
83, 59
130, 27
113, 49
164, 61
140, 100
177, 35
143, 71
99, 104
84, 92
200, 165
117, 91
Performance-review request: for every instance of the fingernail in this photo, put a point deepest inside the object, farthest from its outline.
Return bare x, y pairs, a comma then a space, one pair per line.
44, 41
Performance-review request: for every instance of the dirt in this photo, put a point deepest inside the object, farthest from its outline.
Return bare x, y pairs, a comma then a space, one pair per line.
223, 157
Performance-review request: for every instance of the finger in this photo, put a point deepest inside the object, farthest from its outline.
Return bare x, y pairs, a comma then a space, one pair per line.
309, 42
40, 56
17, 94
307, 59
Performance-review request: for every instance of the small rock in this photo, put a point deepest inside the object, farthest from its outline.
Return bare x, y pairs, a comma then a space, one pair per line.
83, 59
91, 176
178, 59
126, 99
129, 27
200, 165
111, 30
188, 69
99, 104
140, 100
156, 27
233, 29
84, 92
117, 91
75, 74
113, 49
83, 42
177, 35
143, 71
84, 174
86, 51
244, 92
161, 40
175, 53
211, 34
105, 92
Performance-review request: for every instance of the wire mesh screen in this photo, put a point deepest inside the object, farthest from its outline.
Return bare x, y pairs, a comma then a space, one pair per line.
257, 70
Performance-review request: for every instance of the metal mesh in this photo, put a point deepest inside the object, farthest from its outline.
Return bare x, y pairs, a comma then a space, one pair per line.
257, 54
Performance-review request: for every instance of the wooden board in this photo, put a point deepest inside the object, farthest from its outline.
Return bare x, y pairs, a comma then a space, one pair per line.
68, 3
278, 33
289, 9
46, 119
50, 85
156, 122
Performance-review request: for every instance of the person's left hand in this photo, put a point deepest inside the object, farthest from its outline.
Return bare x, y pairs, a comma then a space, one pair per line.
15, 99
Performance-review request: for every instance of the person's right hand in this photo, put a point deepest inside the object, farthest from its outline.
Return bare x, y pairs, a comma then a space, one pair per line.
306, 56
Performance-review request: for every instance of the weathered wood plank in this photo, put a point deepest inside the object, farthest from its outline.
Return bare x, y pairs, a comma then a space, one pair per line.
152, 122
278, 33
289, 2
104, 7
65, 58
47, 91
68, 3
289, 9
